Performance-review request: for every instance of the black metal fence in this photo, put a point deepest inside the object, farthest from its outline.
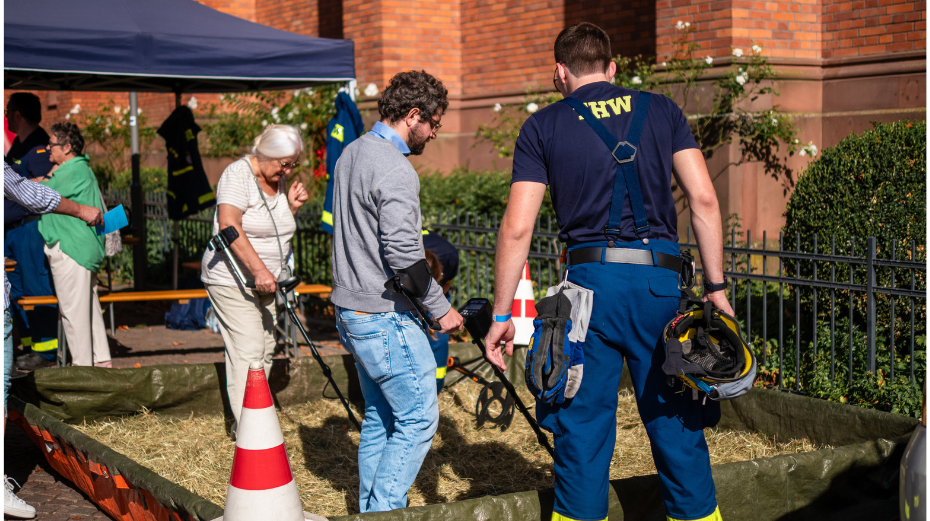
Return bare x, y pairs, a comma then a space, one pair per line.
833, 312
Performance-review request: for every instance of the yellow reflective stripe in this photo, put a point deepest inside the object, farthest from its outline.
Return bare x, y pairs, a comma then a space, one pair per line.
183, 170
440, 372
425, 232
559, 517
48, 345
206, 197
713, 517
26, 340
327, 217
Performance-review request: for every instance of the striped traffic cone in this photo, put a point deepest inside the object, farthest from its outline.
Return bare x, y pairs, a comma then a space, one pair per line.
524, 309
261, 485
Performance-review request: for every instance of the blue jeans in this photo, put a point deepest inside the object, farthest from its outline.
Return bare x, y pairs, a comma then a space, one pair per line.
7, 354
397, 374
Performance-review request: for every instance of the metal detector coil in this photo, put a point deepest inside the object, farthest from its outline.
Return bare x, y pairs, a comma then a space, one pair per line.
495, 404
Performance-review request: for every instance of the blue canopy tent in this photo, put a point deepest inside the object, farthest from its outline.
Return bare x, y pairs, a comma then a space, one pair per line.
175, 46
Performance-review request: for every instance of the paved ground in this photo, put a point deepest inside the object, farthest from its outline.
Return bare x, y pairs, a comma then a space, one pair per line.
54, 498
142, 340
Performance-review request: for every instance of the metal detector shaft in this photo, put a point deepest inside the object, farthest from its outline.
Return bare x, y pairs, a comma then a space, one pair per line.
540, 435
319, 359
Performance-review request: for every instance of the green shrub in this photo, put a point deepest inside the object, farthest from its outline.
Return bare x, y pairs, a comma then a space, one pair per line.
154, 179
463, 190
870, 184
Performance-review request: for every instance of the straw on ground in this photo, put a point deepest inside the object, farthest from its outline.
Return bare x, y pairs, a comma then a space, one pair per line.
463, 462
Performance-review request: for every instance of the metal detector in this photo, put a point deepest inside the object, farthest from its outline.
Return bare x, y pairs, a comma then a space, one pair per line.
221, 242
478, 319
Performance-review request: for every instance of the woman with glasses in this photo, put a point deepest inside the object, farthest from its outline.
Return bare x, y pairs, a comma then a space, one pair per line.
252, 196
74, 250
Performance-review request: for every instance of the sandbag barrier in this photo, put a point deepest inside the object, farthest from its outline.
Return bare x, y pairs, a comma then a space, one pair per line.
858, 479
121, 487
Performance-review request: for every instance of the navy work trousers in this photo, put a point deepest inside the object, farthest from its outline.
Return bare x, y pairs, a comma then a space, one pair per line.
632, 305
37, 328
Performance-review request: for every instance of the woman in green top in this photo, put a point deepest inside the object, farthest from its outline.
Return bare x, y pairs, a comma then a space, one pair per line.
74, 250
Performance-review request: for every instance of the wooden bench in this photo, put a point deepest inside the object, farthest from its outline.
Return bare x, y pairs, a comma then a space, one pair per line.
182, 296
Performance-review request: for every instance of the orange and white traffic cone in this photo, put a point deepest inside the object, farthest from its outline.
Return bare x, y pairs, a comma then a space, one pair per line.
524, 309
261, 485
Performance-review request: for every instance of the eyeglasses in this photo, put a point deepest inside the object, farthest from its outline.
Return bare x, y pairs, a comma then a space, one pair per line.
285, 164
433, 126
50, 144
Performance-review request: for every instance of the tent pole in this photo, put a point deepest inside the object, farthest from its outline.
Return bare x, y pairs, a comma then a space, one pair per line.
140, 251
177, 231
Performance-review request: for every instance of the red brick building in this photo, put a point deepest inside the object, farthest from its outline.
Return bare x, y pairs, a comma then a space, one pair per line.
841, 64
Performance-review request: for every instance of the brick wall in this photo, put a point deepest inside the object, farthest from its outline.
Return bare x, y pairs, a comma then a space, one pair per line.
507, 45
296, 16
244, 9
395, 35
797, 29
862, 27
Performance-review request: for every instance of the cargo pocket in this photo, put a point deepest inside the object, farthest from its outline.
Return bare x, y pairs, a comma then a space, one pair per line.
664, 286
371, 351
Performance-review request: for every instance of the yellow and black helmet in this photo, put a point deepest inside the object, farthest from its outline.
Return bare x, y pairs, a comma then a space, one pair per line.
704, 347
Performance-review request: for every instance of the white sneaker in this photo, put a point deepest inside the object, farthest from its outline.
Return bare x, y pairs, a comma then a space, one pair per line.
12, 505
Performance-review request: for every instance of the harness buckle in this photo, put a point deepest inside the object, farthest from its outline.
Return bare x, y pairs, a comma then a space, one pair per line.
623, 144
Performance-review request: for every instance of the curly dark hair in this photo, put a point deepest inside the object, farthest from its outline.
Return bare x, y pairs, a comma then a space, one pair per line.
68, 134
413, 89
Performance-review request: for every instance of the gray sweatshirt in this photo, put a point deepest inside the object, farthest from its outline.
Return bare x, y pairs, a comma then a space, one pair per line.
376, 228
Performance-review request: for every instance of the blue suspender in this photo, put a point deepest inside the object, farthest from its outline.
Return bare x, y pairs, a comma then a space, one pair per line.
627, 179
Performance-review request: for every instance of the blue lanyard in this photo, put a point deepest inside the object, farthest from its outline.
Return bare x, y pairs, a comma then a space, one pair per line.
627, 178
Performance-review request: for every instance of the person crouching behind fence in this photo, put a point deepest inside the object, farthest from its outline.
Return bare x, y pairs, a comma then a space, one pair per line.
252, 196
74, 250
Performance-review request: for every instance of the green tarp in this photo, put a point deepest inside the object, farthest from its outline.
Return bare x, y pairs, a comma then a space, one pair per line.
856, 480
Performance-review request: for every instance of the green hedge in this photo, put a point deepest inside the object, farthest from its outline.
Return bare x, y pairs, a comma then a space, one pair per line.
870, 184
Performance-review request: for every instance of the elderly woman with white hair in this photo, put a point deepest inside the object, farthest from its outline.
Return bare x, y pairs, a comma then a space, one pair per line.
252, 197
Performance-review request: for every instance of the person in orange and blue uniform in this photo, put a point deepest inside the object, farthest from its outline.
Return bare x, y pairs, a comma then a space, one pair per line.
29, 157
617, 215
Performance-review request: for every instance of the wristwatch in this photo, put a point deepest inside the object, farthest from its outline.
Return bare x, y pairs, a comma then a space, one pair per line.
710, 287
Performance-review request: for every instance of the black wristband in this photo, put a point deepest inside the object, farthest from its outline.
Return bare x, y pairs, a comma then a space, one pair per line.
710, 287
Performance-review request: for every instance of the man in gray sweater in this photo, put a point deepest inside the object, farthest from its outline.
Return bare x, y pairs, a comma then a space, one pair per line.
376, 232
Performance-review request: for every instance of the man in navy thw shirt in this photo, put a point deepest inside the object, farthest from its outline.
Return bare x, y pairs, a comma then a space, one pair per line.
632, 268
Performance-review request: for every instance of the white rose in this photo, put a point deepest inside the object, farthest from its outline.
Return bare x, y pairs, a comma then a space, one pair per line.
532, 107
796, 141
741, 78
663, 64
774, 121
309, 105
636, 80
709, 60
117, 109
138, 111
738, 52
192, 103
297, 92
756, 49
802, 152
371, 90
687, 24
68, 116
303, 126
679, 25
264, 123
497, 107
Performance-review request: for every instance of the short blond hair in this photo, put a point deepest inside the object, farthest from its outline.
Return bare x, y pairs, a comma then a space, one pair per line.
278, 141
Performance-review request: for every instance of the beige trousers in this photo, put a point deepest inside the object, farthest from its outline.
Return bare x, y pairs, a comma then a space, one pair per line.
76, 289
247, 322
